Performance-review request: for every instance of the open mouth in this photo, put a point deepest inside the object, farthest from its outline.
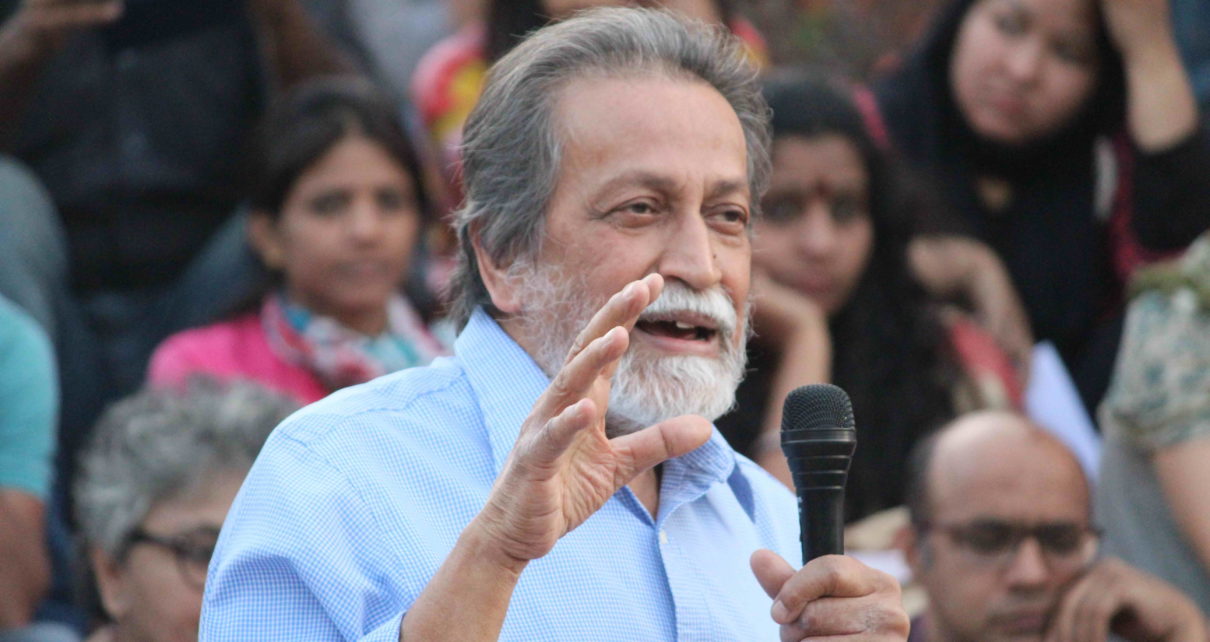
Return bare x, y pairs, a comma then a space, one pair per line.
687, 328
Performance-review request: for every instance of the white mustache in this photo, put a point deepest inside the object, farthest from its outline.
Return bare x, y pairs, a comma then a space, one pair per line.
714, 304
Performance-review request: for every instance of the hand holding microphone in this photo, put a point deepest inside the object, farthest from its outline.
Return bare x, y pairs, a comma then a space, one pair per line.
835, 597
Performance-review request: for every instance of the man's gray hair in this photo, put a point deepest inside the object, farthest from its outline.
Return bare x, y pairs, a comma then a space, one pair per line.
164, 444
511, 151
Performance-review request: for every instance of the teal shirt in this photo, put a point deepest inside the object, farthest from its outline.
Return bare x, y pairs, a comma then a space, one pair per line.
29, 403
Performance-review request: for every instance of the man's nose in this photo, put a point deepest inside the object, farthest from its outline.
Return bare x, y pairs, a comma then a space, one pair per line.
1027, 566
690, 254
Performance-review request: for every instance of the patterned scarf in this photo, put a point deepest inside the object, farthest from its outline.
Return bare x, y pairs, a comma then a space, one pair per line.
341, 357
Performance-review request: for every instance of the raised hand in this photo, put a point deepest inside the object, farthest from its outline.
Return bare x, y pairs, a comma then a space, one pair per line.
831, 598
48, 22
563, 467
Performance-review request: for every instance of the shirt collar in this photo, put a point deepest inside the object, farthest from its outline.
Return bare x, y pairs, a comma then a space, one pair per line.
507, 382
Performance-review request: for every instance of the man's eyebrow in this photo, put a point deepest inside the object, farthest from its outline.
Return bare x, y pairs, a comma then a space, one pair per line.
726, 187
664, 183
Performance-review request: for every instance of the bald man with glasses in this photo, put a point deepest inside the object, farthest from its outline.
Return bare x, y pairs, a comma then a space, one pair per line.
1002, 540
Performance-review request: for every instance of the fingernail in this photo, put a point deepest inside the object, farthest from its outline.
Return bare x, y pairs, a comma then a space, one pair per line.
628, 290
779, 612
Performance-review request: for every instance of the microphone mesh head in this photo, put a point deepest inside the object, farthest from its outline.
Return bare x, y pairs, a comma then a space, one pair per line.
820, 405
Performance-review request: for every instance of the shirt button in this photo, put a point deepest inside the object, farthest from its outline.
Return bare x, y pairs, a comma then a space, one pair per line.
663, 536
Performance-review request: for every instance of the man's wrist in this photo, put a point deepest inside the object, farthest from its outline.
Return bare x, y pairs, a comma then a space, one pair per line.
482, 544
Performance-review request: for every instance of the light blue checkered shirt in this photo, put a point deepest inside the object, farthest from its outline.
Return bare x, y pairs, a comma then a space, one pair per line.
356, 500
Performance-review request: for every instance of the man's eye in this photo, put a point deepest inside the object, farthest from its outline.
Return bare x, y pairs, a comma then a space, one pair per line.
1062, 539
988, 538
640, 207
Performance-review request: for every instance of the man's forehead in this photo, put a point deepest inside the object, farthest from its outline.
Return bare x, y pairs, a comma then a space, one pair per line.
1007, 467
617, 123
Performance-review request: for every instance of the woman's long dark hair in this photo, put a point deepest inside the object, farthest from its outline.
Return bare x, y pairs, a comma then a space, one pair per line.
508, 22
890, 349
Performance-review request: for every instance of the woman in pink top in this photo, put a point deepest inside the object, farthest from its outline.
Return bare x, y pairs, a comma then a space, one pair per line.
337, 207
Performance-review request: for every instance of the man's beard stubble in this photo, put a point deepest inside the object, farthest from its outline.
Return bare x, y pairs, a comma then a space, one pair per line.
646, 388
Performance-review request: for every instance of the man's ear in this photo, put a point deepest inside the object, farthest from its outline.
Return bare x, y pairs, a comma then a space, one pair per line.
500, 285
910, 542
111, 583
265, 239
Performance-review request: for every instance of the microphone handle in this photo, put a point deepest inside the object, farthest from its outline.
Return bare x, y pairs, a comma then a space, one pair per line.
821, 521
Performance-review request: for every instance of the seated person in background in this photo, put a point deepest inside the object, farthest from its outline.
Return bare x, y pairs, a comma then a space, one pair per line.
1154, 493
565, 450
839, 302
1002, 541
1064, 134
337, 206
29, 402
154, 487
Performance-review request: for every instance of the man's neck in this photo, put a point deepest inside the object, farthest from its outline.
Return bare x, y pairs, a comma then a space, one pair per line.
646, 487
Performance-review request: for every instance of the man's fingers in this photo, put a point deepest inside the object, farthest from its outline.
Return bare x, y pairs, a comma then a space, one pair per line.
1085, 610
771, 571
78, 15
830, 576
558, 433
622, 309
670, 438
574, 380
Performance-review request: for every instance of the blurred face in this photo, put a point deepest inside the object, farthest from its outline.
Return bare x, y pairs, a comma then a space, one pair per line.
1022, 69
345, 234
155, 593
654, 179
816, 235
1009, 532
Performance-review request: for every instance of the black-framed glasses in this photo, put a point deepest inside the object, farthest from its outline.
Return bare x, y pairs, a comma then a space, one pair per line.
192, 550
997, 541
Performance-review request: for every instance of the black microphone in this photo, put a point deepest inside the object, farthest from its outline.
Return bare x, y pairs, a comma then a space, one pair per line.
818, 437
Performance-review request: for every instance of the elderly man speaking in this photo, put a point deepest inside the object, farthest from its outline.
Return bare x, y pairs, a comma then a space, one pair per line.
559, 477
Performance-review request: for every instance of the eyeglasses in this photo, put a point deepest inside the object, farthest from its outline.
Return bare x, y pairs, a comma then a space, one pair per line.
1063, 544
192, 551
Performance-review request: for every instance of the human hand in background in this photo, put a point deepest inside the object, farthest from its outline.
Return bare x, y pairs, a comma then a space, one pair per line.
1115, 597
48, 22
950, 266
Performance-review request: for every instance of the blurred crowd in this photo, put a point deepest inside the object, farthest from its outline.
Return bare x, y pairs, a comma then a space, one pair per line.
213, 213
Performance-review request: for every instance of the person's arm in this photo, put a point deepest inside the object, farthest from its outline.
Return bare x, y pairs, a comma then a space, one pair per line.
1161, 109
25, 573
29, 38
293, 44
1115, 597
28, 410
561, 470
1184, 478
798, 330
949, 266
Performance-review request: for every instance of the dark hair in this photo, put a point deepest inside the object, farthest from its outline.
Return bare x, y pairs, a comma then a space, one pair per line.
509, 21
916, 478
890, 350
309, 121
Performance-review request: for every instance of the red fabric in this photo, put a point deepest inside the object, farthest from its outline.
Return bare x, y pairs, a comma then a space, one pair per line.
983, 361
